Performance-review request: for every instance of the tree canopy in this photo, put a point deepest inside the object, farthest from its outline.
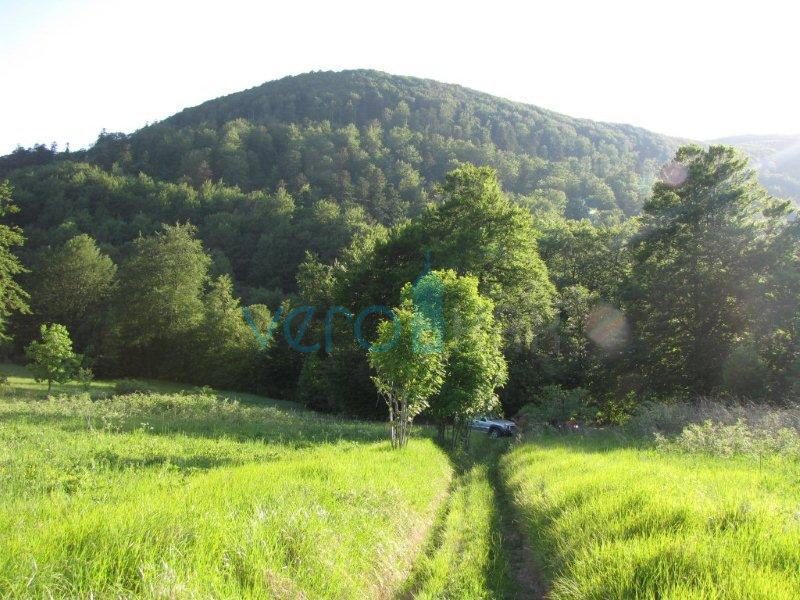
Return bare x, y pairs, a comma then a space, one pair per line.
12, 296
592, 268
698, 262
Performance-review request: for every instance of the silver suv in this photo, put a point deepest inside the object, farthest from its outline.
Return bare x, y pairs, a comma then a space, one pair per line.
495, 427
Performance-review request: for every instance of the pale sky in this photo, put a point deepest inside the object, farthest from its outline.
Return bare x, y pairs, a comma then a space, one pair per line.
696, 69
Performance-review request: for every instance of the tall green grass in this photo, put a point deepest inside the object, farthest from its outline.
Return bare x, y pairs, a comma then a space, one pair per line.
196, 496
611, 521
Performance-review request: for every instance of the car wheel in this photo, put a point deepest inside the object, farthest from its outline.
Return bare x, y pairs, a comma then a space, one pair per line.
494, 434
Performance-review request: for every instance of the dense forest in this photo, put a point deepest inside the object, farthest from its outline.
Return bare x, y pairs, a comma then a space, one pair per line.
616, 261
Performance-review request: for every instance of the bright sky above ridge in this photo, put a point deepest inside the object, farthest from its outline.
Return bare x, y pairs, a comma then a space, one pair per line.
685, 68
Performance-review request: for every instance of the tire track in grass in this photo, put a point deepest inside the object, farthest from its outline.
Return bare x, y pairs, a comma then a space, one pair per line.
524, 568
475, 549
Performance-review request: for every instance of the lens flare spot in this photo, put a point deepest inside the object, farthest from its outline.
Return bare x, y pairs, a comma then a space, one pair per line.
607, 327
673, 173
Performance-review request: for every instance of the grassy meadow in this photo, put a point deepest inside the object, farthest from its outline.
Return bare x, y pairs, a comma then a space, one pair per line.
174, 493
190, 494
609, 519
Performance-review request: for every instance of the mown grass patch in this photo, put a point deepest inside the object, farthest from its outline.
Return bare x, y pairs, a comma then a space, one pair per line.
610, 521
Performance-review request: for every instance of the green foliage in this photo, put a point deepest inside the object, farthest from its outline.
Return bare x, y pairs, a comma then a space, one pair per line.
453, 380
331, 197
384, 141
70, 284
225, 350
12, 297
474, 364
555, 405
405, 379
476, 232
171, 321
52, 358
776, 312
579, 253
158, 303
614, 407
160, 285
705, 237
744, 373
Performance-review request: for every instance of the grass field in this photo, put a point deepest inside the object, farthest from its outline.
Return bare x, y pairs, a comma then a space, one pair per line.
189, 495
613, 521
198, 494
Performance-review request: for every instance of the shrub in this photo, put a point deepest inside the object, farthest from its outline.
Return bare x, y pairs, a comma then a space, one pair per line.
738, 439
670, 418
613, 409
84, 376
745, 373
720, 428
132, 386
181, 404
555, 404
205, 390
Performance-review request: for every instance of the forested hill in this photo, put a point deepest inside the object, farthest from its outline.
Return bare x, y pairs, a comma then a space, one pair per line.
382, 141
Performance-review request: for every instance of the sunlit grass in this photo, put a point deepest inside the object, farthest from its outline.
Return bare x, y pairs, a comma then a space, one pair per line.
198, 494
192, 495
616, 522
21, 385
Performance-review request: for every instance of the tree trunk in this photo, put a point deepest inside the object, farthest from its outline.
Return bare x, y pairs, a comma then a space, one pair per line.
392, 424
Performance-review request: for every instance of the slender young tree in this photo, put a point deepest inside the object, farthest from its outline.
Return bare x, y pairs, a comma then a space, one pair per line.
405, 379
52, 358
474, 364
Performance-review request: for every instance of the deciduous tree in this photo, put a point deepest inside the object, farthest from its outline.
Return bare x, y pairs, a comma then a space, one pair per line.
12, 297
52, 358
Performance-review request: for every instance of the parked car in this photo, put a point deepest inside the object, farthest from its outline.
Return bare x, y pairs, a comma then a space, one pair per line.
495, 427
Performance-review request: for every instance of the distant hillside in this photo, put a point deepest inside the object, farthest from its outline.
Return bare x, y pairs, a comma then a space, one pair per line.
777, 158
304, 163
382, 141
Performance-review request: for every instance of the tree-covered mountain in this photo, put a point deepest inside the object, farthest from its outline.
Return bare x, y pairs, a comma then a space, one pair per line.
333, 132
383, 141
